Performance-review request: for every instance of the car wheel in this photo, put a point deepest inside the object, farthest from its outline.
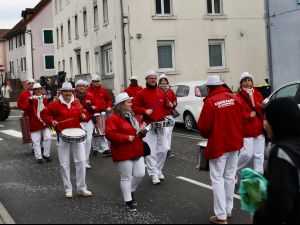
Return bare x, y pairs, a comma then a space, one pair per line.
4, 109
189, 121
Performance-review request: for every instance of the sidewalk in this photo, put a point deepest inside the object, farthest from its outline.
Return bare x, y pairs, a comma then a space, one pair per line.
5, 218
13, 105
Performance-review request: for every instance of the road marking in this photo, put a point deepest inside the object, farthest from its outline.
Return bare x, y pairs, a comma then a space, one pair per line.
13, 133
202, 185
188, 136
1, 126
1, 139
14, 116
4, 216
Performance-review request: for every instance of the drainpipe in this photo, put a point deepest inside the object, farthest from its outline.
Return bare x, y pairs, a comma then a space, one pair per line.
269, 42
123, 44
31, 42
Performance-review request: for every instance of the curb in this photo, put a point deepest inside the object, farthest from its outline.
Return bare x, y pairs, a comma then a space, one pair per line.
5, 218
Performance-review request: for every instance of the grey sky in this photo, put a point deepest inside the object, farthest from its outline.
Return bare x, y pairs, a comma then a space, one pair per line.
10, 11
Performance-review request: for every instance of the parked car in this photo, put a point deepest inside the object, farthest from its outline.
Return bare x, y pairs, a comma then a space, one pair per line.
190, 102
288, 90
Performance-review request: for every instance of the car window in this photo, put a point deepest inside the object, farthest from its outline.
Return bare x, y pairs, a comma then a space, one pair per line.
174, 88
289, 91
182, 91
201, 91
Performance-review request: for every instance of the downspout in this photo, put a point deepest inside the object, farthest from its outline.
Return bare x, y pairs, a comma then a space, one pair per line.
123, 45
269, 42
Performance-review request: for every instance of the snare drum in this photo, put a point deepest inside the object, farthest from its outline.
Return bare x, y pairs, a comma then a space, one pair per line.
73, 135
100, 124
162, 124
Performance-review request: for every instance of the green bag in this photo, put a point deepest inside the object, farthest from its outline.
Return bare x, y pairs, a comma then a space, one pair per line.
253, 190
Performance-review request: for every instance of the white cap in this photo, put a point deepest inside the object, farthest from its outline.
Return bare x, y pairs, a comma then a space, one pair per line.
96, 78
122, 98
163, 76
67, 87
151, 73
37, 86
80, 82
214, 80
31, 81
246, 75
134, 78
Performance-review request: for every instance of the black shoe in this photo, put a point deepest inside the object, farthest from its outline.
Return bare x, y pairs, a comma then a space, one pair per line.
133, 200
48, 159
170, 155
39, 161
130, 207
95, 153
106, 154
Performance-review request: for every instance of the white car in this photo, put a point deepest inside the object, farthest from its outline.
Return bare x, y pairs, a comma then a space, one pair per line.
190, 97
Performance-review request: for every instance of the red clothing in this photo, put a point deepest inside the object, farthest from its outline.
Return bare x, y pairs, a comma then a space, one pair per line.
221, 121
31, 111
102, 98
151, 98
87, 102
253, 127
117, 131
22, 99
57, 111
171, 96
133, 91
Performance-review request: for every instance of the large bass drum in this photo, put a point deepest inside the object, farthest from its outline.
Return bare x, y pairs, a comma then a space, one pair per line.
73, 135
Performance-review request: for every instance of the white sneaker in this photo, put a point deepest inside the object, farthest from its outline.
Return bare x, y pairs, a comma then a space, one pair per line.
161, 177
69, 194
155, 180
88, 165
85, 193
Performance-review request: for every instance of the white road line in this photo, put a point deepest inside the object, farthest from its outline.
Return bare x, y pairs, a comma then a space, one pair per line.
14, 116
188, 136
1, 139
1, 126
202, 185
13, 133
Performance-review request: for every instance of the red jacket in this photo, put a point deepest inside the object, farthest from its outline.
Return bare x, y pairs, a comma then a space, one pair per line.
133, 91
154, 99
102, 98
87, 102
117, 131
221, 121
22, 99
253, 127
56, 111
31, 111
171, 96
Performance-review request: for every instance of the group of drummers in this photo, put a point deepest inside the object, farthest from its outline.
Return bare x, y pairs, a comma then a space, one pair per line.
84, 118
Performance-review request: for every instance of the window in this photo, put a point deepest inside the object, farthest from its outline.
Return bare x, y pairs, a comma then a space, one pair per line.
105, 12
78, 58
49, 62
85, 26
63, 65
69, 31
163, 7
214, 7
71, 67
76, 27
97, 62
107, 56
23, 64
48, 36
87, 59
166, 55
201, 91
96, 15
24, 39
217, 54
57, 37
62, 35
182, 91
289, 91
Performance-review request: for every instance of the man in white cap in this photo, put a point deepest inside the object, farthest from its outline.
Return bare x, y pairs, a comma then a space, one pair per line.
221, 122
25, 95
134, 89
151, 103
103, 104
67, 113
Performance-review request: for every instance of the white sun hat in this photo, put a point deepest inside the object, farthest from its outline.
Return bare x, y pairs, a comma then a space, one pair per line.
214, 80
122, 98
37, 86
67, 86
151, 73
31, 81
246, 75
134, 78
96, 78
163, 76
80, 82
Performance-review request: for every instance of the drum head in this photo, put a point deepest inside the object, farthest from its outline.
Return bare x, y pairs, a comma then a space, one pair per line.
73, 132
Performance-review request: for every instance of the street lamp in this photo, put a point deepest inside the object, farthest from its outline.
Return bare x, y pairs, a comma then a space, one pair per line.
31, 42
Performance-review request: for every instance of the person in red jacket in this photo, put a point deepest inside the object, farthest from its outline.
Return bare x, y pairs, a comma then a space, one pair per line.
151, 103
221, 121
25, 95
87, 101
172, 98
254, 139
33, 107
127, 149
66, 113
103, 104
134, 89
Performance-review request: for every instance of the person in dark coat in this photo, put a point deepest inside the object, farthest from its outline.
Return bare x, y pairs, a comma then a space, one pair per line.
283, 171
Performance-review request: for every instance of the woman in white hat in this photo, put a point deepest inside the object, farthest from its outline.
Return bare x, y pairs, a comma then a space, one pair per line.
125, 133
34, 106
66, 113
254, 140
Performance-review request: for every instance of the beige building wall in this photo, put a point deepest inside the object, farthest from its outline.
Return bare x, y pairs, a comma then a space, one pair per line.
3, 54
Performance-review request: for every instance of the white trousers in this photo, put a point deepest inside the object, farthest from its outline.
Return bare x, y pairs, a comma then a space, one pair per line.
100, 142
88, 127
169, 131
222, 175
64, 152
132, 173
158, 142
253, 148
36, 143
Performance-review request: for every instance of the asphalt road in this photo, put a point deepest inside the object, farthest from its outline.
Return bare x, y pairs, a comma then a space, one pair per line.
34, 193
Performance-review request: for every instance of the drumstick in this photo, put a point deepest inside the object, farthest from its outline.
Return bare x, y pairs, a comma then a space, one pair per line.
66, 121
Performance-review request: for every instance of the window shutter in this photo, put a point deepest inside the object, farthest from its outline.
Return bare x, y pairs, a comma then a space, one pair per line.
165, 56
49, 62
215, 55
48, 36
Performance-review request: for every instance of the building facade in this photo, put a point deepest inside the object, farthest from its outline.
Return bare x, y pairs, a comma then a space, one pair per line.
284, 41
30, 44
187, 40
3, 53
